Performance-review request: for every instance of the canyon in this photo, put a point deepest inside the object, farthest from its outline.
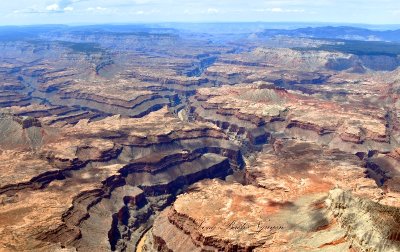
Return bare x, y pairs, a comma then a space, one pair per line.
147, 138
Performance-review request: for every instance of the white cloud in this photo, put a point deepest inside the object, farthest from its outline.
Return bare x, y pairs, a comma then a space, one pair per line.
53, 7
65, 11
209, 11
69, 8
280, 10
212, 11
97, 9
143, 1
275, 10
146, 12
62, 6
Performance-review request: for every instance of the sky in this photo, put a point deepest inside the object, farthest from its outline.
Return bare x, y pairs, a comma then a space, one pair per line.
28, 12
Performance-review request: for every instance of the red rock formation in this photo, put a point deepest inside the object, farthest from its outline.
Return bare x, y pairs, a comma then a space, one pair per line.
92, 163
292, 202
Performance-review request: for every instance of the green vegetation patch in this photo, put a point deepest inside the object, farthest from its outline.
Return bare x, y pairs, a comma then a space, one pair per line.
87, 48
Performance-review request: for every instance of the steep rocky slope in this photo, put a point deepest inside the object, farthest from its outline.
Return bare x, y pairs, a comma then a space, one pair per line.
291, 202
104, 171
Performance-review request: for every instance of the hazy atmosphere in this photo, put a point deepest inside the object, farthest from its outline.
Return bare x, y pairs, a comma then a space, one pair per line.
128, 11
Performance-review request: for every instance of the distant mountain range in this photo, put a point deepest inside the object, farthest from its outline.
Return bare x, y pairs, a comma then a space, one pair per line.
262, 30
340, 32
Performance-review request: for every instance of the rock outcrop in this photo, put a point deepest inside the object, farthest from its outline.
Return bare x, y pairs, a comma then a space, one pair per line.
105, 171
291, 202
256, 111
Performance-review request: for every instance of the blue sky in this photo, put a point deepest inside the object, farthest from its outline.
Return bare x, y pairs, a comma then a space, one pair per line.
134, 11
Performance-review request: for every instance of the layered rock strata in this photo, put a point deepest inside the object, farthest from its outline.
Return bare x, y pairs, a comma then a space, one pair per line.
256, 111
112, 175
293, 201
